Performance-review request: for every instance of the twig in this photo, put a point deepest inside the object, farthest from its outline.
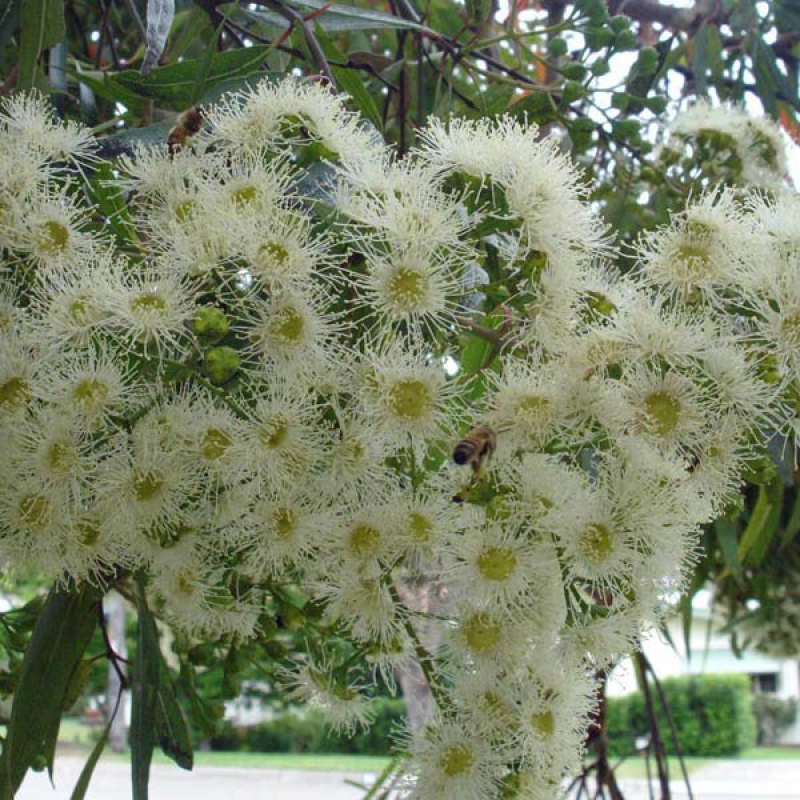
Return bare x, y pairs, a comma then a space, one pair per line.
314, 46
113, 657
671, 720
655, 733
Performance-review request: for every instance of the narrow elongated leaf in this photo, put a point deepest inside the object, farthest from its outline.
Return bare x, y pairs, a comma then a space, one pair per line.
760, 527
335, 17
57, 645
770, 81
160, 14
173, 733
727, 536
700, 48
147, 668
349, 80
42, 25
82, 784
177, 86
9, 20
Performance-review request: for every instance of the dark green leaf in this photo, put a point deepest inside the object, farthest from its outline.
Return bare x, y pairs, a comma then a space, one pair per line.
700, 58
763, 523
792, 527
79, 792
9, 21
173, 733
179, 85
146, 673
57, 645
770, 81
787, 15
76, 682
336, 17
727, 537
42, 25
349, 80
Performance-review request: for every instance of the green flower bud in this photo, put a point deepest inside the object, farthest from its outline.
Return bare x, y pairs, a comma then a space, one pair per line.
657, 104
626, 40
573, 71
598, 38
221, 364
620, 23
210, 324
621, 100
572, 91
647, 61
557, 47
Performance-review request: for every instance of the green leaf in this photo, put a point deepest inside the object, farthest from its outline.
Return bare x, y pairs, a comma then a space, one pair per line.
59, 640
349, 80
770, 81
108, 197
335, 17
763, 523
42, 25
144, 696
82, 784
173, 732
76, 682
727, 537
9, 21
700, 48
792, 527
178, 86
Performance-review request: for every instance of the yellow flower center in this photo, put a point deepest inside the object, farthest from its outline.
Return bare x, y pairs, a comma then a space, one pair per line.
15, 393
147, 485
185, 210
285, 521
91, 393
497, 563
543, 722
790, 328
244, 195
456, 760
274, 433
694, 256
420, 528
88, 532
288, 326
34, 510
148, 301
215, 444
61, 456
407, 288
663, 411
533, 410
482, 632
273, 256
410, 399
53, 238
596, 542
364, 540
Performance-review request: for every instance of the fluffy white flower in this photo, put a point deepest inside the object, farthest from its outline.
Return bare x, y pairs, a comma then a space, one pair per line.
451, 759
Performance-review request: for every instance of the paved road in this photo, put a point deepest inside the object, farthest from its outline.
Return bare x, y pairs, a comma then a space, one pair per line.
733, 780
743, 780
112, 781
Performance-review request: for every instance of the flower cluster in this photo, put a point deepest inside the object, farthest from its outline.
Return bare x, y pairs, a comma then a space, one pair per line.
725, 144
238, 370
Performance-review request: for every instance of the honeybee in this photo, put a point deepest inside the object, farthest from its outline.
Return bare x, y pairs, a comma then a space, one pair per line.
476, 448
189, 124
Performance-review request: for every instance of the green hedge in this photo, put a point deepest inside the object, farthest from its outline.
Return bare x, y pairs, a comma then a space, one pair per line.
713, 715
292, 732
773, 716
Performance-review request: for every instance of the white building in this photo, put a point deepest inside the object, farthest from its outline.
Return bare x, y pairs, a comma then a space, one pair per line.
710, 652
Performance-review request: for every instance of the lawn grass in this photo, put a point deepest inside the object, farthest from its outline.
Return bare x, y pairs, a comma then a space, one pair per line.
77, 738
